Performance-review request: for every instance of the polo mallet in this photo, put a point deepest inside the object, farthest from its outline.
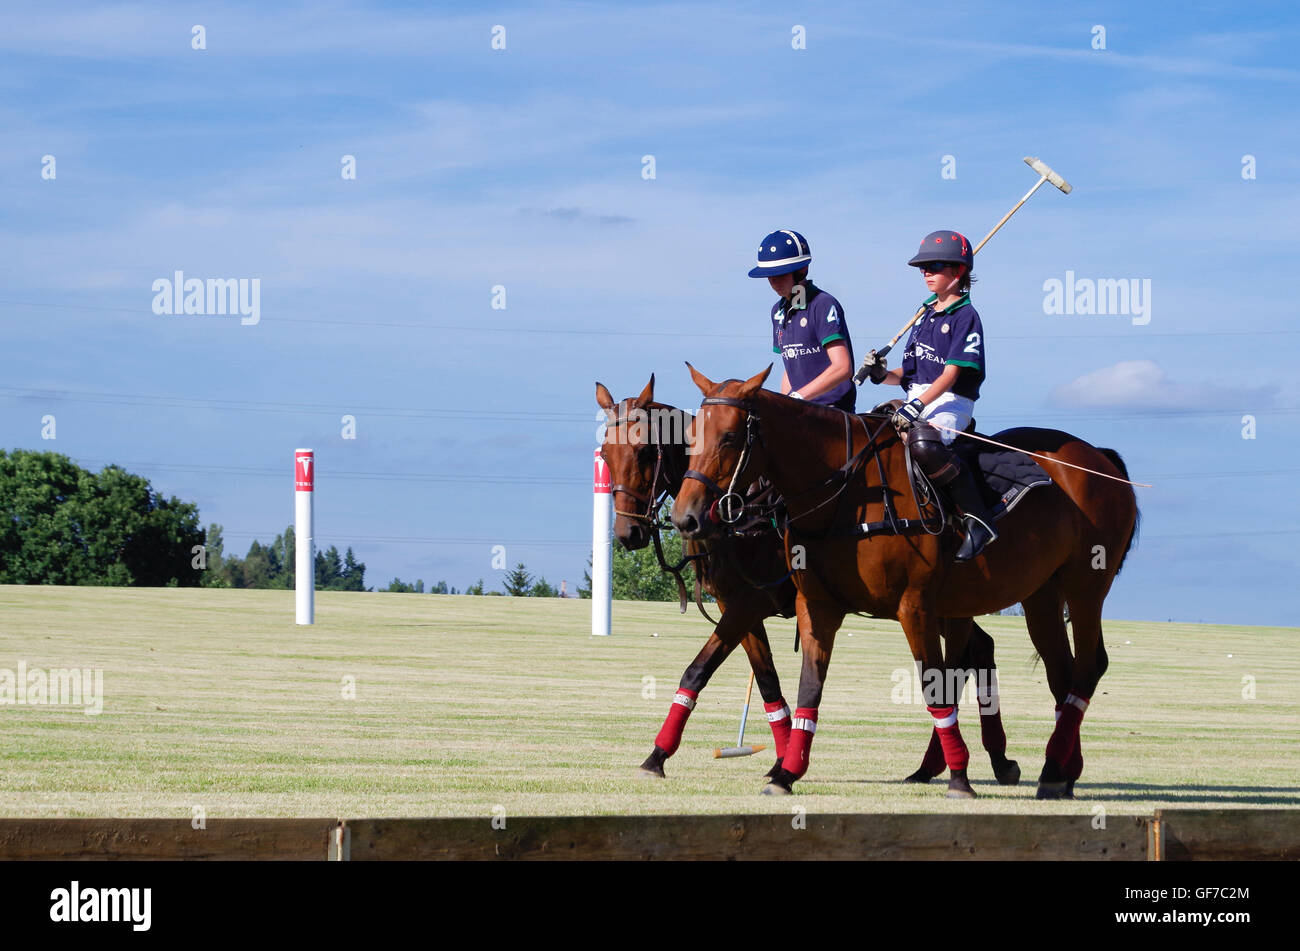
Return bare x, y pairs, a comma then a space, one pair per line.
740, 749
1045, 174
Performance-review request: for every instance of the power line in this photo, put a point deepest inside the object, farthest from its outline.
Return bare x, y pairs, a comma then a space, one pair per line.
570, 331
498, 478
269, 406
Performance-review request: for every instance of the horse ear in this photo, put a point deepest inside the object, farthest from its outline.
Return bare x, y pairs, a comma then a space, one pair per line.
648, 394
703, 382
754, 383
604, 399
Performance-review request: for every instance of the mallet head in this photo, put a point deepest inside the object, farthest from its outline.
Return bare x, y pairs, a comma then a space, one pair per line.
1045, 170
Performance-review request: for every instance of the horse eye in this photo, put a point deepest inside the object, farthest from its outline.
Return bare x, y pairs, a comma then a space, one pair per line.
728, 438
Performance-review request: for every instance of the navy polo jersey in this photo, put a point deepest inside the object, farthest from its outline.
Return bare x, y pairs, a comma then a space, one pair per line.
953, 336
800, 335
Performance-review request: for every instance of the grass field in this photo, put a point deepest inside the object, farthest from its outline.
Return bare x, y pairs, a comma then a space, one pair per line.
462, 705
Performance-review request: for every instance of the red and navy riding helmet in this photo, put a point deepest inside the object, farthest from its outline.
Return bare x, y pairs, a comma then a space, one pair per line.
782, 252
944, 246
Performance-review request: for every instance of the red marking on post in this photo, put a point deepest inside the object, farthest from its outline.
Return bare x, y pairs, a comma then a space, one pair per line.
602, 483
304, 471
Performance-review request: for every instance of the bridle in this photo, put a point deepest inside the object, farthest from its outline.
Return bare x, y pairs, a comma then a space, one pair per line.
653, 502
730, 505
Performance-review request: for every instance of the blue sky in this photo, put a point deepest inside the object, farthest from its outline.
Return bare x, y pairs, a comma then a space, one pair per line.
522, 167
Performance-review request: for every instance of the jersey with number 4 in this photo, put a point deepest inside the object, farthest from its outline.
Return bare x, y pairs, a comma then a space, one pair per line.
953, 336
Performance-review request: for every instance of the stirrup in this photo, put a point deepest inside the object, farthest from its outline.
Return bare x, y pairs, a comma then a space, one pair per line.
969, 547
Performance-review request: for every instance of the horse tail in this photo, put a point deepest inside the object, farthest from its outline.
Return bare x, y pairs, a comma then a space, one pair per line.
1118, 463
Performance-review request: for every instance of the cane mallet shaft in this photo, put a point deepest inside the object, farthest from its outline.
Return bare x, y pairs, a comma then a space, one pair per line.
1045, 174
740, 749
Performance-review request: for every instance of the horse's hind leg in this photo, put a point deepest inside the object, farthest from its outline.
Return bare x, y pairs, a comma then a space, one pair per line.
1090, 662
769, 685
1047, 630
732, 626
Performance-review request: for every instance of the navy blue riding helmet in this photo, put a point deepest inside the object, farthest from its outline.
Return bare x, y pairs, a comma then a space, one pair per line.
782, 252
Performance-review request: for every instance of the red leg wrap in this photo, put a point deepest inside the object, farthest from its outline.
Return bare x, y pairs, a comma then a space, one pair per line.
955, 753
780, 725
670, 734
797, 748
1065, 738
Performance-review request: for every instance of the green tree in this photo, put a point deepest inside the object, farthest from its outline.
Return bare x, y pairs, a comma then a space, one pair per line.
61, 524
215, 545
476, 588
542, 589
329, 568
353, 576
637, 576
517, 581
584, 589
401, 587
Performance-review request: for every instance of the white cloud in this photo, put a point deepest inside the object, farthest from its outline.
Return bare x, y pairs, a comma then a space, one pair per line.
1144, 384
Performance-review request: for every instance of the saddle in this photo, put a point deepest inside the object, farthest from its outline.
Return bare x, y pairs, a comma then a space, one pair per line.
1004, 476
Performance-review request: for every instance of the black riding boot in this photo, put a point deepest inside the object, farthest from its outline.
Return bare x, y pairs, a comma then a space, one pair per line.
978, 522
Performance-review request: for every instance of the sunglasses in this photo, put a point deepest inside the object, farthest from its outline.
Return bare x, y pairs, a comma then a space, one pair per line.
935, 267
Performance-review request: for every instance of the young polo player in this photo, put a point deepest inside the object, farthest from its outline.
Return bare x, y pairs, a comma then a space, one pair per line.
808, 327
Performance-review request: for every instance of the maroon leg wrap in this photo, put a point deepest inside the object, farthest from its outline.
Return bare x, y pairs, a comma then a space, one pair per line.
955, 752
799, 745
780, 726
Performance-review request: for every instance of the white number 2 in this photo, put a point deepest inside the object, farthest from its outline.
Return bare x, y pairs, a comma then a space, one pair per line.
973, 344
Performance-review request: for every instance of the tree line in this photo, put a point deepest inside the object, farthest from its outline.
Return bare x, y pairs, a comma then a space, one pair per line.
62, 524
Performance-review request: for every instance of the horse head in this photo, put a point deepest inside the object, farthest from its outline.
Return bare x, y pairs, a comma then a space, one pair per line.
640, 460
726, 455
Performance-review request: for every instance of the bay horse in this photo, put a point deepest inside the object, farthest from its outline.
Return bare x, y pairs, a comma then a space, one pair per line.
646, 448
842, 478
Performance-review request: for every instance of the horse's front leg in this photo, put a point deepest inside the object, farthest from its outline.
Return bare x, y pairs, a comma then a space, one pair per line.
769, 686
732, 626
940, 690
818, 623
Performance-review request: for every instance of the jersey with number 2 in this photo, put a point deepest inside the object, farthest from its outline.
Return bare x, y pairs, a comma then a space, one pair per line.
951, 337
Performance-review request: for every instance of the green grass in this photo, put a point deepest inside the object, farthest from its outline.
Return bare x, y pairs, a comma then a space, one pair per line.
216, 699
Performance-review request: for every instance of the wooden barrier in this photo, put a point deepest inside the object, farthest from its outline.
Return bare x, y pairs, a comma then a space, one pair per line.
1169, 835
159, 839
1182, 835
643, 838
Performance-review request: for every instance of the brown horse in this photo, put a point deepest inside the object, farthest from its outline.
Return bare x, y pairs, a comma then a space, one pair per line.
646, 449
842, 478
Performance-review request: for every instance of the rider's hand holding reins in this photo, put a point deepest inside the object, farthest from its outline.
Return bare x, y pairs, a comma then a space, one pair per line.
908, 415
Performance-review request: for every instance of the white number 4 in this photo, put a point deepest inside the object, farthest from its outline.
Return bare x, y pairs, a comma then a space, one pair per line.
973, 344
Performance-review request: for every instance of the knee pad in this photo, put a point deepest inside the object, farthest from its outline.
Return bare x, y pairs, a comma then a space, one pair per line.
936, 460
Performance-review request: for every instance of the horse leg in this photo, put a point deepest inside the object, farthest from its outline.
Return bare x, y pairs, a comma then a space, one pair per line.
933, 763
1090, 663
818, 623
732, 626
940, 690
1047, 631
759, 650
994, 738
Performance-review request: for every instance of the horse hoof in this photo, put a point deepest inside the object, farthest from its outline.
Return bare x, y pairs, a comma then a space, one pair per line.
775, 789
1069, 790
959, 788
645, 773
920, 776
1009, 774
771, 773
1052, 790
